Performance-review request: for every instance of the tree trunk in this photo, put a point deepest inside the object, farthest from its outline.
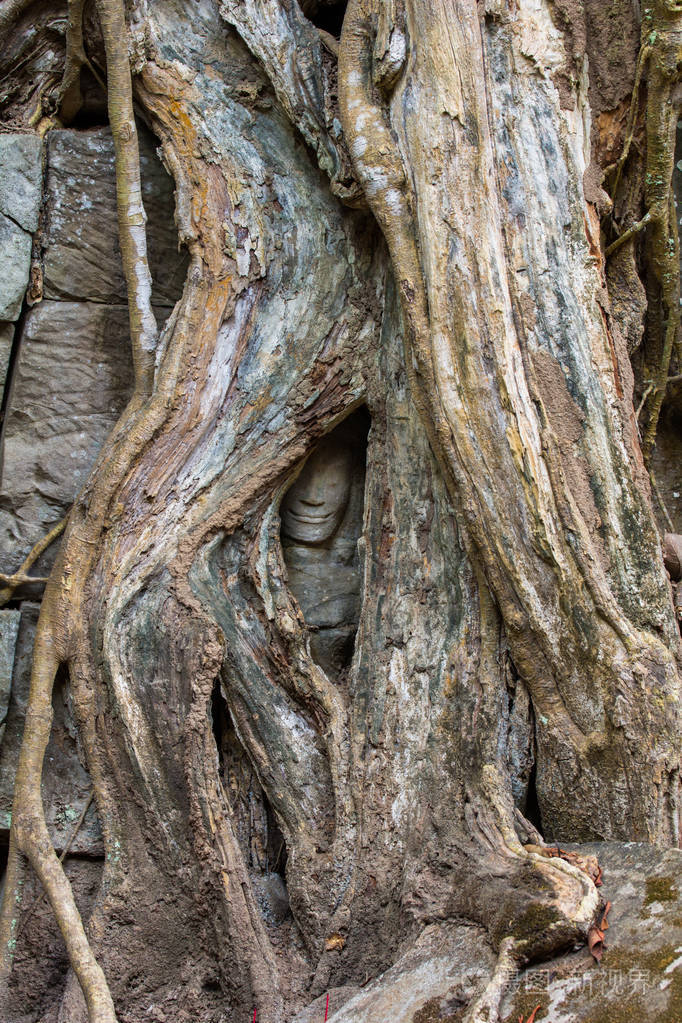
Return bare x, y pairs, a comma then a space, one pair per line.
514, 608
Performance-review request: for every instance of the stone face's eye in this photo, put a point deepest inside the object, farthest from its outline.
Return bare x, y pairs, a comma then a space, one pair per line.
321, 517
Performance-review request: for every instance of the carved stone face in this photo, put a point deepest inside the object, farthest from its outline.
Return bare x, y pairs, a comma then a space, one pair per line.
315, 504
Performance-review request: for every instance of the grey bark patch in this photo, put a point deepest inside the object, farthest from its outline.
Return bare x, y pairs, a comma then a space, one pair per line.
82, 254
21, 179
71, 381
272, 896
15, 263
9, 627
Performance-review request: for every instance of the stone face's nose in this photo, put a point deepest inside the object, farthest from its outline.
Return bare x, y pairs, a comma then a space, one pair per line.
311, 502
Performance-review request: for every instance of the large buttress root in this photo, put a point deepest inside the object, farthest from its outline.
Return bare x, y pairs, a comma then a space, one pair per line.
478, 363
468, 274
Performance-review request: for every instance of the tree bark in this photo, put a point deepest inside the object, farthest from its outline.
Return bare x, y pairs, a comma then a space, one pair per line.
448, 276
511, 349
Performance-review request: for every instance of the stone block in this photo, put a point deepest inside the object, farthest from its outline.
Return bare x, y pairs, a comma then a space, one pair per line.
6, 339
20, 192
66, 784
9, 627
72, 378
15, 266
82, 254
21, 179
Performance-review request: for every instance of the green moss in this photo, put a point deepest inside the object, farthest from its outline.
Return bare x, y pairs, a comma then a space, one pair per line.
613, 1006
525, 1002
660, 889
657, 962
430, 1013
638, 1006
625, 1011
535, 921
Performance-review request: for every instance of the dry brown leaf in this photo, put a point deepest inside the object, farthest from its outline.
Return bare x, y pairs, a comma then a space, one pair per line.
595, 942
335, 942
604, 925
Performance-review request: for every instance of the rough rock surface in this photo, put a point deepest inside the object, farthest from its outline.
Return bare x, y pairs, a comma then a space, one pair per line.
15, 258
434, 980
71, 380
9, 626
82, 257
6, 339
20, 179
639, 977
66, 784
20, 190
73, 371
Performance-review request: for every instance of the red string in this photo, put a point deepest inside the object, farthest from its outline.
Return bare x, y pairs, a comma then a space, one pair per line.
326, 1009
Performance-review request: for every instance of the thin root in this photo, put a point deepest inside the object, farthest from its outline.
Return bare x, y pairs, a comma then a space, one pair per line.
486, 1008
65, 852
630, 233
21, 576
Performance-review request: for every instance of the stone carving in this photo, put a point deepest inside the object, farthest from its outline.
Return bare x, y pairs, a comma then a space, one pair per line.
321, 523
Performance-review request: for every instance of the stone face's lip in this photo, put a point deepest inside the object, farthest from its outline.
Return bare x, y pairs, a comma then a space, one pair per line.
312, 520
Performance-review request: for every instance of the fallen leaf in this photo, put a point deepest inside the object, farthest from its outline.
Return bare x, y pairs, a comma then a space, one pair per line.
335, 942
604, 925
595, 942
